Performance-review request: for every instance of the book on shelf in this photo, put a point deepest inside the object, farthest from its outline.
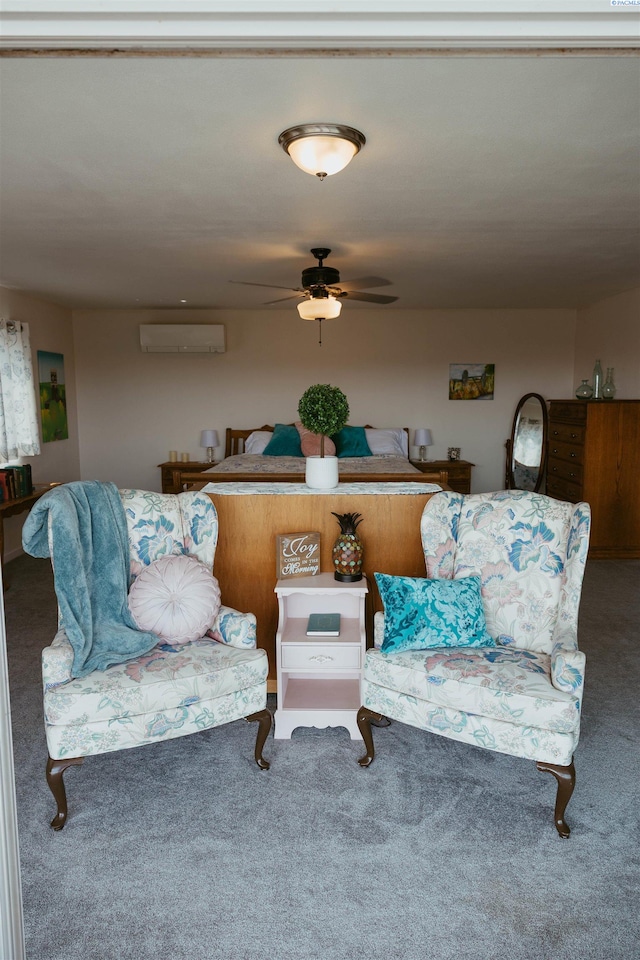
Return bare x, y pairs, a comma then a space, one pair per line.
7, 483
15, 482
323, 625
22, 476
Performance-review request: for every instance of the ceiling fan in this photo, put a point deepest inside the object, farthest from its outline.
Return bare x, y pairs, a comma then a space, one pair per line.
321, 283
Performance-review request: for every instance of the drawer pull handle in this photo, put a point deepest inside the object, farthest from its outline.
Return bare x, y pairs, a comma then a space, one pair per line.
321, 658
572, 454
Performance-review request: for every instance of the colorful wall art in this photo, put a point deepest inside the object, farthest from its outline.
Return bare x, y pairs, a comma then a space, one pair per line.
471, 381
53, 399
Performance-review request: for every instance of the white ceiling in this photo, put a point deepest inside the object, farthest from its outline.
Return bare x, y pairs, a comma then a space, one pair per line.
486, 181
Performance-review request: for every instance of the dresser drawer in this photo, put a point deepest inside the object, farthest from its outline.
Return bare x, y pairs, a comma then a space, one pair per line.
568, 410
566, 432
564, 470
321, 656
563, 490
571, 452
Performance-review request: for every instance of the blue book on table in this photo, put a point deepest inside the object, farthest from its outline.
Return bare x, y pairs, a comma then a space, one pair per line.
323, 625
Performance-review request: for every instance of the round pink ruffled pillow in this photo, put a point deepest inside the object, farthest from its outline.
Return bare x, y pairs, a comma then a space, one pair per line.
176, 597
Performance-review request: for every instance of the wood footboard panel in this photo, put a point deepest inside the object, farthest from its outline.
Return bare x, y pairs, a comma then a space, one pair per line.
245, 561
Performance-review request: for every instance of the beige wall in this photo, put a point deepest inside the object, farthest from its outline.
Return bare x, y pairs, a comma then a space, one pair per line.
50, 328
127, 409
609, 331
392, 364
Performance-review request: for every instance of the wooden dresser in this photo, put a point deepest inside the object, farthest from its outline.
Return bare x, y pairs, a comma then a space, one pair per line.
594, 455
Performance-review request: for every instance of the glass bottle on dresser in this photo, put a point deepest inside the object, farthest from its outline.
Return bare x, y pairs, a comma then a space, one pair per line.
609, 387
597, 381
584, 391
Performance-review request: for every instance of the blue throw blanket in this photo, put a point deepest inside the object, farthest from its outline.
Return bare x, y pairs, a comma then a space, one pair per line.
90, 557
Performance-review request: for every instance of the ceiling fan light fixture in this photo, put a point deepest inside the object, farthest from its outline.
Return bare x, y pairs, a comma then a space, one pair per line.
320, 308
321, 149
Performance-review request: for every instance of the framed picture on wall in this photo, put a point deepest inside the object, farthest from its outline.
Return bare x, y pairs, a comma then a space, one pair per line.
471, 381
53, 398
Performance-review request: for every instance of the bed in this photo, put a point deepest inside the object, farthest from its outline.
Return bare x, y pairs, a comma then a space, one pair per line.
258, 496
245, 461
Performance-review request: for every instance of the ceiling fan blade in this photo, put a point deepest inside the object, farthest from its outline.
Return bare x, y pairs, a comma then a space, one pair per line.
369, 297
294, 296
363, 283
274, 286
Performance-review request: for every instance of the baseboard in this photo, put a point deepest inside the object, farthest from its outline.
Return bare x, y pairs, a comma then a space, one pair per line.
614, 553
13, 554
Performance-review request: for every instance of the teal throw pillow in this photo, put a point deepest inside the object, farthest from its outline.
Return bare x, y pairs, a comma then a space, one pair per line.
351, 442
423, 614
285, 442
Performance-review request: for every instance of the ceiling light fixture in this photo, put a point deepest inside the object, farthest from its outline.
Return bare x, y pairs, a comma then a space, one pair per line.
320, 308
321, 149
320, 305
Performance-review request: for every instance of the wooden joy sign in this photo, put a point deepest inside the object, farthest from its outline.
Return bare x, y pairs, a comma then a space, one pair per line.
298, 555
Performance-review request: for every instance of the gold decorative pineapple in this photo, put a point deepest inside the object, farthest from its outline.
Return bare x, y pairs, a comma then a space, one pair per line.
348, 550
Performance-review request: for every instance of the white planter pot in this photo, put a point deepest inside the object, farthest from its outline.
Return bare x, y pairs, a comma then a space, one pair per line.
322, 472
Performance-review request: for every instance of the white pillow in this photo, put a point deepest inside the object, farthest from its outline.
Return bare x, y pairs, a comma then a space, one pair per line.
392, 442
176, 598
257, 441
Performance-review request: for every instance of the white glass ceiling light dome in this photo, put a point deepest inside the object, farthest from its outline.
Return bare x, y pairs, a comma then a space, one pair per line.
320, 308
321, 149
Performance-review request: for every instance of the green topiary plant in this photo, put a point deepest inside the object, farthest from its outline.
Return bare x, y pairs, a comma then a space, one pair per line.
323, 409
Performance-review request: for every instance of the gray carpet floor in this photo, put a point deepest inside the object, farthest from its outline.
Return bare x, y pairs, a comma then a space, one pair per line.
439, 850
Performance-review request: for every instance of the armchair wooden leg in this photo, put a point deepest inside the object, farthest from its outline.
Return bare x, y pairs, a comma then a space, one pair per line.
364, 719
55, 769
264, 725
566, 777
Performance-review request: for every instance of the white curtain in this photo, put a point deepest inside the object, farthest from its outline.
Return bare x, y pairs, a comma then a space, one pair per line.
18, 410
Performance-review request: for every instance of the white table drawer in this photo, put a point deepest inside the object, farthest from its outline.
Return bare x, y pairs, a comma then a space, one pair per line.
320, 656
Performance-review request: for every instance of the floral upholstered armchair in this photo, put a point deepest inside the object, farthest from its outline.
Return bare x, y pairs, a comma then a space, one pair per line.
502, 671
172, 689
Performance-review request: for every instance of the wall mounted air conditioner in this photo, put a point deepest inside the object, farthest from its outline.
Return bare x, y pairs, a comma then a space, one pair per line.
182, 338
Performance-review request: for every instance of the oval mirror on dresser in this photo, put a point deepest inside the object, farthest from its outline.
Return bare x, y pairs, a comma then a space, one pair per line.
527, 447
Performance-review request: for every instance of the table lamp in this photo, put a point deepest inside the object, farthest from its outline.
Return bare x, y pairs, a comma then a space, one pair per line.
422, 439
209, 439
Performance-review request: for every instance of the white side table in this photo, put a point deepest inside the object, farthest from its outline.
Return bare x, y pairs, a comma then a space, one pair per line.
319, 677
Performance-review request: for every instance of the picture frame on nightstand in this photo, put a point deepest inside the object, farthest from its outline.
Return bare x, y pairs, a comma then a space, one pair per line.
297, 555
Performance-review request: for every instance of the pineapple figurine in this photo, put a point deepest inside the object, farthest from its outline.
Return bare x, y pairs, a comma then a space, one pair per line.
348, 550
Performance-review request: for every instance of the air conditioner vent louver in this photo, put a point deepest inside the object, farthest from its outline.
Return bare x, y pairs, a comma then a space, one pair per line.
182, 338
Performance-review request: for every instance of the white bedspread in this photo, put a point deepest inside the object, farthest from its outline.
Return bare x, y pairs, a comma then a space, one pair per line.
258, 463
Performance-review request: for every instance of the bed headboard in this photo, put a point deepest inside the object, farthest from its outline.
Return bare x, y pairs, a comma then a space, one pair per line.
235, 438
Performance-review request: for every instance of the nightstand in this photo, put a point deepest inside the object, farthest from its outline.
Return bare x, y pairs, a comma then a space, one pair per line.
459, 472
172, 469
319, 677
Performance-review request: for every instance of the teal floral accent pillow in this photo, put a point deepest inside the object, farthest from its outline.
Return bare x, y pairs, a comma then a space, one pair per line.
422, 614
285, 442
351, 442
